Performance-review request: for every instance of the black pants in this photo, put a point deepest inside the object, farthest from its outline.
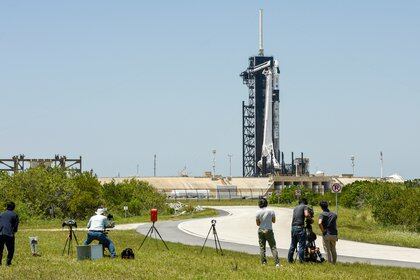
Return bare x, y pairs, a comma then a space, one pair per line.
10, 245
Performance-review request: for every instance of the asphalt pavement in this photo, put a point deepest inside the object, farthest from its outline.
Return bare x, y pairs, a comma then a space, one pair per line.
237, 232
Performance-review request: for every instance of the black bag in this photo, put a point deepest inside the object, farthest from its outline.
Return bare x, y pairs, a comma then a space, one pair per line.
127, 254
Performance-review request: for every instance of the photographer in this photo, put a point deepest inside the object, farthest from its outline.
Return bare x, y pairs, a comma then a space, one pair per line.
328, 224
265, 219
298, 231
9, 222
97, 226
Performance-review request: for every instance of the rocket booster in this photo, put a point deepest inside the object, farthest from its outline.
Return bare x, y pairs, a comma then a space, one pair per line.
268, 147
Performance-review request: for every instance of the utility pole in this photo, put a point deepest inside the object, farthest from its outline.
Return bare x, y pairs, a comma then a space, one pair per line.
214, 163
230, 165
382, 164
154, 165
137, 170
352, 163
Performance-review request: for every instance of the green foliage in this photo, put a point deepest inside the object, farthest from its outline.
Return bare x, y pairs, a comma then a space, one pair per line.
54, 193
358, 194
86, 195
414, 183
139, 196
391, 203
287, 196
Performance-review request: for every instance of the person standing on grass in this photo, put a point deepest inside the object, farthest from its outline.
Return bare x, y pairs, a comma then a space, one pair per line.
265, 219
9, 222
298, 231
328, 224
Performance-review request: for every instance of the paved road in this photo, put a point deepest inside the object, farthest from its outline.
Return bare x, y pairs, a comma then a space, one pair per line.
237, 231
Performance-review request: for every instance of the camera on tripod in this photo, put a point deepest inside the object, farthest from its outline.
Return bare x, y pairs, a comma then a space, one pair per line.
69, 223
213, 222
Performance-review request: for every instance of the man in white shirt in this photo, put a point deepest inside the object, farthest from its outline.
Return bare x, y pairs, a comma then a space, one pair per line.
265, 219
96, 226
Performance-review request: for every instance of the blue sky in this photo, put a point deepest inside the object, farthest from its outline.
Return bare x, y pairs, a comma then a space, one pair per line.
118, 81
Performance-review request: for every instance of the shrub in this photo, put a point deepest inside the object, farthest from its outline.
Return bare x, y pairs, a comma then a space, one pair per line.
391, 203
139, 196
287, 196
52, 192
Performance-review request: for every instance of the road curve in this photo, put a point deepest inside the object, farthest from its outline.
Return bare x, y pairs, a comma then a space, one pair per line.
237, 231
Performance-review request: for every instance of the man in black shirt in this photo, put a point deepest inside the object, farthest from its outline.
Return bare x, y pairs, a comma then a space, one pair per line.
328, 224
298, 232
9, 222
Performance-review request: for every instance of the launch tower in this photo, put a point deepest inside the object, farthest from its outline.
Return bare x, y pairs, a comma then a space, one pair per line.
260, 116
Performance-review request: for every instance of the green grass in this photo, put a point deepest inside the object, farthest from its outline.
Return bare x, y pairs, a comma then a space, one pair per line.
181, 262
56, 223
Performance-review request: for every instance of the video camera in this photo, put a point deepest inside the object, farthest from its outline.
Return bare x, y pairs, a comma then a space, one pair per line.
312, 252
310, 220
111, 222
69, 223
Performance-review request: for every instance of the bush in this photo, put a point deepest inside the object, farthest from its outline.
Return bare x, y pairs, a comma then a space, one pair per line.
139, 196
358, 194
52, 192
391, 203
287, 196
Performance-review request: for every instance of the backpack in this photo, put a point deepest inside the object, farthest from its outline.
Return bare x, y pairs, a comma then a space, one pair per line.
127, 254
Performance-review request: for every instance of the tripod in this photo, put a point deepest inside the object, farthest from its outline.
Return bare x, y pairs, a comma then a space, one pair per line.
68, 244
154, 230
215, 236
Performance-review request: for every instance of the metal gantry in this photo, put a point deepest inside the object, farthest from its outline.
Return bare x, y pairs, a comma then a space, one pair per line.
17, 163
248, 131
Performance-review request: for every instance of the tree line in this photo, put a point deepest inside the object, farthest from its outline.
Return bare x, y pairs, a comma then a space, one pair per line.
54, 193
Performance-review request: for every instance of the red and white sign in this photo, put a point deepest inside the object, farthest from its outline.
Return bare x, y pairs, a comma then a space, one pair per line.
336, 188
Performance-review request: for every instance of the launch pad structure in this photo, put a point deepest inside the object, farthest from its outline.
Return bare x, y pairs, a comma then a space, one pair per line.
261, 154
20, 163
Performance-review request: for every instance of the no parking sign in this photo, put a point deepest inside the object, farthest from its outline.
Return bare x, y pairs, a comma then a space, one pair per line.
336, 188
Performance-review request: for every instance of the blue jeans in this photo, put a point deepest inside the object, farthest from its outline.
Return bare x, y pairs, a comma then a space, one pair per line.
103, 239
298, 236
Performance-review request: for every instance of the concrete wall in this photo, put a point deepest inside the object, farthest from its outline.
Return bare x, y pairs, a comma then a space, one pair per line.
246, 187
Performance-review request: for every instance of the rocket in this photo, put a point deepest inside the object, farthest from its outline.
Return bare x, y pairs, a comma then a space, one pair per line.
268, 147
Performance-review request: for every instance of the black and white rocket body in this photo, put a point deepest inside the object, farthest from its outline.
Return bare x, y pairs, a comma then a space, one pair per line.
261, 133
268, 154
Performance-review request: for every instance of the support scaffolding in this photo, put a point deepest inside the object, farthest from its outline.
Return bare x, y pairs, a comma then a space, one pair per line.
17, 163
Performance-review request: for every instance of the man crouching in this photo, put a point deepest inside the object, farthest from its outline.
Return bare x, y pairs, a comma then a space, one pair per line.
96, 226
265, 219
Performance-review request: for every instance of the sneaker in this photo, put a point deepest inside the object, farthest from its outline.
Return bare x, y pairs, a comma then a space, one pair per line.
278, 265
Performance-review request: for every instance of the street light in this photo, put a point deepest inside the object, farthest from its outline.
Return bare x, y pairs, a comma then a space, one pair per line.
230, 165
214, 162
382, 164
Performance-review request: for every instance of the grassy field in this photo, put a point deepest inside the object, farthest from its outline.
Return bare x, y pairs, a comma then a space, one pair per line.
181, 262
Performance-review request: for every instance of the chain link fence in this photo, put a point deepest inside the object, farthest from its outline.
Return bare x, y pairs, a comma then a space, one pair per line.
216, 194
